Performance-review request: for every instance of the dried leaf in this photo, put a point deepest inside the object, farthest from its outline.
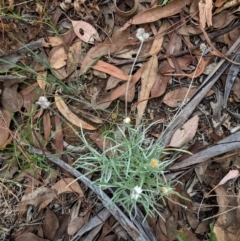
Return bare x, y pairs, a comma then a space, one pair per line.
57, 57
205, 12
85, 31
50, 224
158, 40
185, 134
41, 79
110, 69
148, 79
231, 175
74, 53
64, 110
52, 41
62, 186
175, 97
156, 13
37, 196
75, 225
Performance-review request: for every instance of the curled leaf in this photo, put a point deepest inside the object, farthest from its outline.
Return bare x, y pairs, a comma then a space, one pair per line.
66, 112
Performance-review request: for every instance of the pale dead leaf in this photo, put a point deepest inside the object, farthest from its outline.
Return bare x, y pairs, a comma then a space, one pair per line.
71, 117
205, 12
57, 57
75, 225
175, 97
158, 40
185, 134
73, 53
41, 79
231, 175
37, 196
68, 185
85, 31
148, 79
52, 41
62, 186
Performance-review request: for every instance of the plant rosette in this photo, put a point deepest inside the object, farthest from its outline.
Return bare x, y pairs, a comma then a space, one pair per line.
131, 166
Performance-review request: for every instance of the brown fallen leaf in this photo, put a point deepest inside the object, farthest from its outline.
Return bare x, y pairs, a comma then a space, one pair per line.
75, 225
158, 40
148, 79
156, 13
52, 41
71, 117
41, 79
175, 97
50, 224
110, 69
205, 13
185, 134
85, 31
39, 195
57, 57
62, 186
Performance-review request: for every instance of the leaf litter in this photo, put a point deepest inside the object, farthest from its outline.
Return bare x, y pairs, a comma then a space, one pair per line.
81, 61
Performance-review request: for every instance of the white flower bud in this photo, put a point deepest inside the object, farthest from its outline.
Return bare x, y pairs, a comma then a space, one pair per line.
43, 102
136, 192
141, 35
